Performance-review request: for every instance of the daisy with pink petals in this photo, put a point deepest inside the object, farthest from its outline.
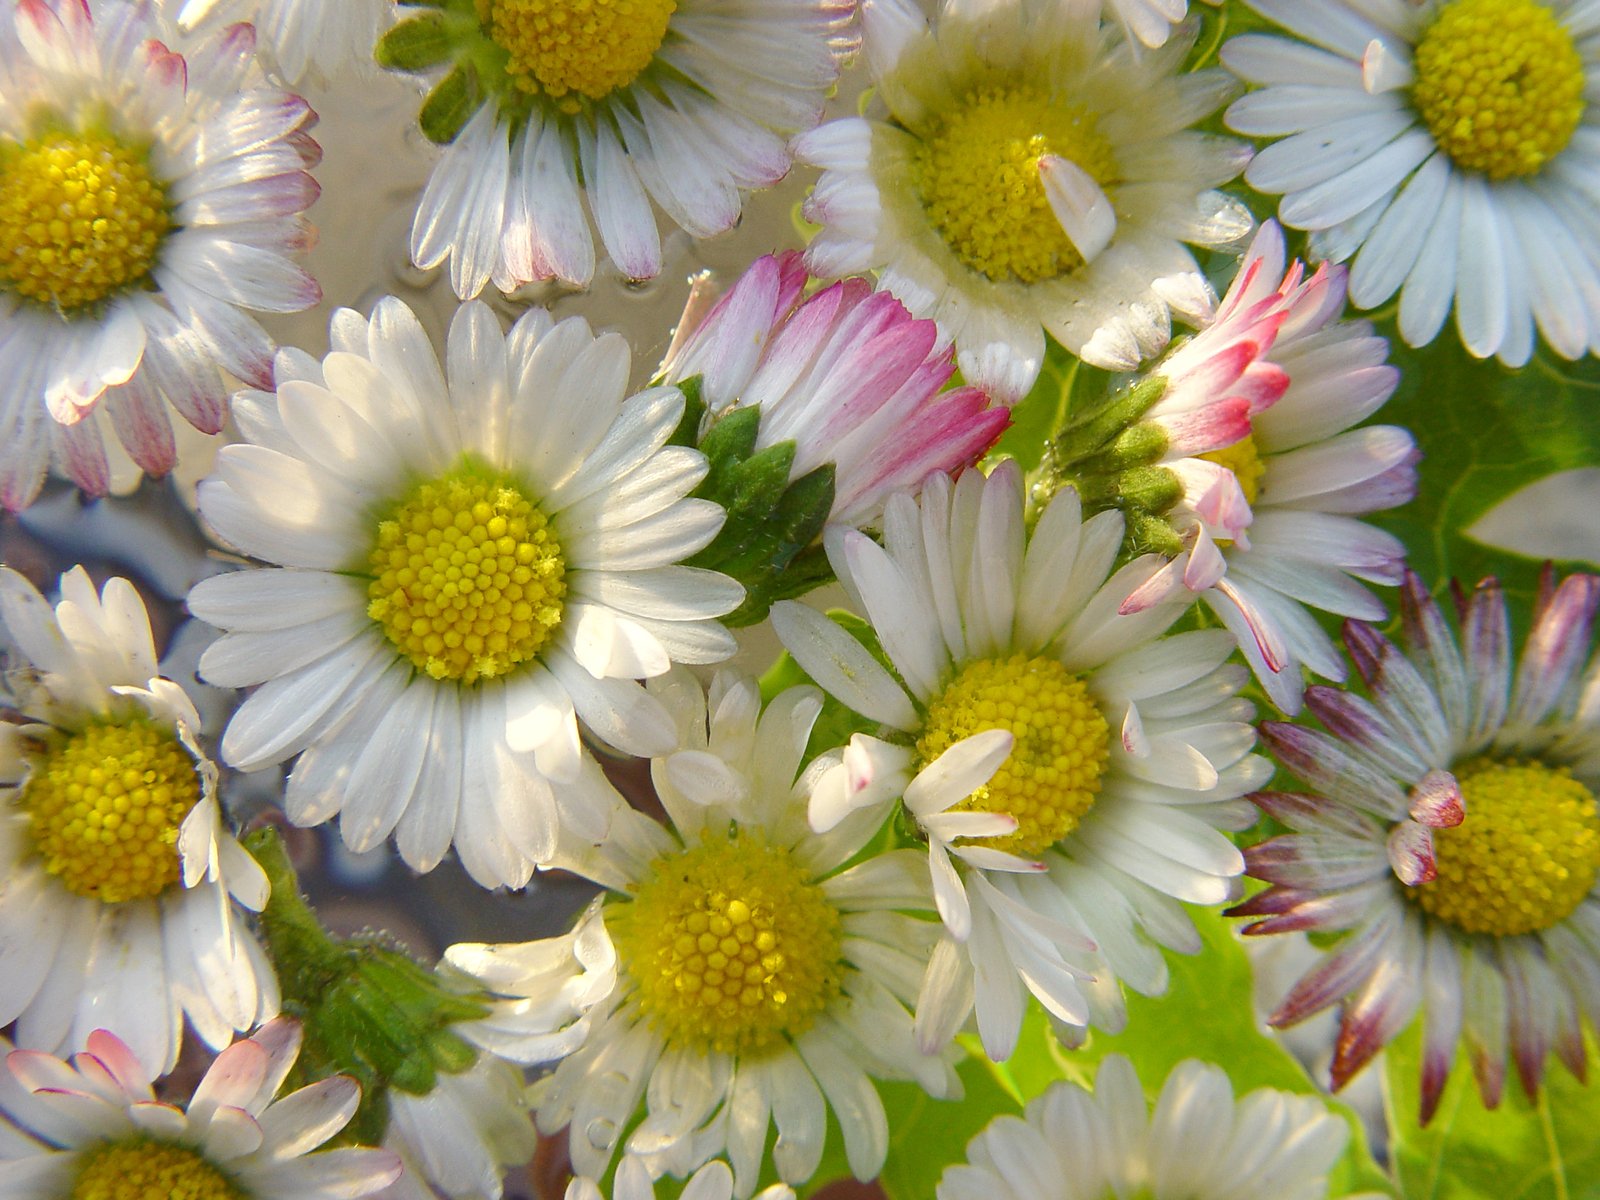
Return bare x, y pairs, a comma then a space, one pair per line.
1130, 752
847, 373
189, 181
92, 1126
1452, 851
1262, 404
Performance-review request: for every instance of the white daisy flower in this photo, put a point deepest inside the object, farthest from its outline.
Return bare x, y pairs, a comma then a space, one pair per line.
470, 561
1131, 753
1450, 146
459, 1138
1272, 501
714, 1181
737, 976
1031, 169
1489, 925
846, 373
1198, 1144
551, 111
121, 886
188, 180
298, 38
97, 1128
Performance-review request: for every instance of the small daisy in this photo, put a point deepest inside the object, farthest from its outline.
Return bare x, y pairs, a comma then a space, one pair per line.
1198, 1144
120, 889
552, 109
1031, 169
1490, 925
299, 37
1131, 749
737, 976
1449, 145
847, 374
189, 181
98, 1129
1273, 498
470, 561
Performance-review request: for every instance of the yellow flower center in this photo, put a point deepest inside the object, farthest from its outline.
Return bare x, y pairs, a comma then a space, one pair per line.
467, 575
81, 217
565, 49
145, 1170
1053, 773
729, 945
1243, 458
978, 176
1525, 857
104, 807
1499, 84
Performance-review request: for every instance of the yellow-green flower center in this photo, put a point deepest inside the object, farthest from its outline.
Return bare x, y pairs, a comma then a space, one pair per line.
104, 807
1524, 858
729, 945
978, 176
566, 49
81, 217
467, 576
1053, 774
1499, 84
141, 1169
1243, 458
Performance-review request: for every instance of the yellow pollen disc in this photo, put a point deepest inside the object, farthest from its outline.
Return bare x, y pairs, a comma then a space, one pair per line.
105, 805
467, 575
1053, 774
729, 945
1244, 460
1499, 83
81, 217
1525, 857
566, 49
145, 1170
978, 176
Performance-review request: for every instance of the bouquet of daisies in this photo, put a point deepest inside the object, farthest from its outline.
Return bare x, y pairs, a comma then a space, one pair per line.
989, 598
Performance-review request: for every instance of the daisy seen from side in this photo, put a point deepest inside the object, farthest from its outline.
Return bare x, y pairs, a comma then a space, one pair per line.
561, 126
148, 201
1261, 414
737, 976
1452, 849
124, 895
1131, 750
93, 1127
1450, 147
1031, 173
846, 373
468, 562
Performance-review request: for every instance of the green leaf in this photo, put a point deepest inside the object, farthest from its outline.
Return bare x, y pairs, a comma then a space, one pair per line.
768, 541
1485, 432
416, 44
450, 106
1519, 1151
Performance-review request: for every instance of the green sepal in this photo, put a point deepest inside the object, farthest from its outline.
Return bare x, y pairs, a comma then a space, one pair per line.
450, 105
766, 543
417, 43
694, 411
367, 1010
